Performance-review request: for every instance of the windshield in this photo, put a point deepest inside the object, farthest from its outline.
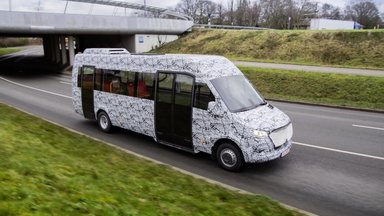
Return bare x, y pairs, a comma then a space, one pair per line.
237, 93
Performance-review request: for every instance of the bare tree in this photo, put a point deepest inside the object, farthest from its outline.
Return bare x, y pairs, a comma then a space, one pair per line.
231, 11
188, 7
364, 12
220, 14
305, 10
241, 12
329, 11
274, 13
254, 14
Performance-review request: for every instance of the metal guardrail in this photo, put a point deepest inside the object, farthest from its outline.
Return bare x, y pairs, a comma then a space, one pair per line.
229, 27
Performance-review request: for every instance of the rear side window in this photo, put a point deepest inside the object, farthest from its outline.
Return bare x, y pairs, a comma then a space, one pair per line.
145, 84
107, 81
203, 96
98, 79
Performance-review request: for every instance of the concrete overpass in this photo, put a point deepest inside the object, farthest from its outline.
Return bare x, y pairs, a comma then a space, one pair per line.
65, 34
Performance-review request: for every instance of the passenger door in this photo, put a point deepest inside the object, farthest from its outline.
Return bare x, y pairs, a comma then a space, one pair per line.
87, 85
173, 108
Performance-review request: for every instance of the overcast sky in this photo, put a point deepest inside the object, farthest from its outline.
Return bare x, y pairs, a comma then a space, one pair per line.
75, 7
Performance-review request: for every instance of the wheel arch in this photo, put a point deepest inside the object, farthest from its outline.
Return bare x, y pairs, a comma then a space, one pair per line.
99, 111
221, 141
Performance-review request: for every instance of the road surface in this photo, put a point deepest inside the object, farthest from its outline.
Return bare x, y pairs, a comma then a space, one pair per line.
336, 166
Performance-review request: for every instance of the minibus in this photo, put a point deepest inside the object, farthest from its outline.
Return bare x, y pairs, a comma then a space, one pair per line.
196, 103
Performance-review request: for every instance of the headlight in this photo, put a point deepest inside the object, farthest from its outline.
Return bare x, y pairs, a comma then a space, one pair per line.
260, 134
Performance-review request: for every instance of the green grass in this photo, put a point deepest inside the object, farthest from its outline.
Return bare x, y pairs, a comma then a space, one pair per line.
319, 88
356, 49
5, 51
48, 170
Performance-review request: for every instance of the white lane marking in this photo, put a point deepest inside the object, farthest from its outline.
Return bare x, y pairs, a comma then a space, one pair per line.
36, 89
368, 127
67, 83
339, 151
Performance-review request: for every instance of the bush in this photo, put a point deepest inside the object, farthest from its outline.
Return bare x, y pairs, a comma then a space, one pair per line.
13, 42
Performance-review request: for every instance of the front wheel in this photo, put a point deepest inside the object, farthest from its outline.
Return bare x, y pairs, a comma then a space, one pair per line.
104, 122
229, 157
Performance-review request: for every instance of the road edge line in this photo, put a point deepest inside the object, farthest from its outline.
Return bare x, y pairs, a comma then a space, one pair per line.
211, 181
326, 106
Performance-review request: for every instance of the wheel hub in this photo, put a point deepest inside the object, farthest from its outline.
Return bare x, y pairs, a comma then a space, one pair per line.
228, 157
103, 122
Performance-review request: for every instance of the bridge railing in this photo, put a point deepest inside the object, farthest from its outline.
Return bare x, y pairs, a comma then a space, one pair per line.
228, 27
63, 6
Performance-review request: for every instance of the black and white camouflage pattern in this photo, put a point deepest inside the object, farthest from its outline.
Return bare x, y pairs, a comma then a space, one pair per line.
137, 114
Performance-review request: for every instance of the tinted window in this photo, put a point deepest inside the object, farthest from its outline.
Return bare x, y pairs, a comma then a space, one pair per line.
237, 93
145, 85
127, 83
98, 79
107, 81
87, 79
165, 85
129, 79
202, 96
183, 91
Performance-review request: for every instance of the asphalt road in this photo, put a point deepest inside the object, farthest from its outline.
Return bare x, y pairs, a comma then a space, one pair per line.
336, 166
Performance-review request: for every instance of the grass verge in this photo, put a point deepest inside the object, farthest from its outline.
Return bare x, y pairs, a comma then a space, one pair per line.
318, 88
48, 170
5, 51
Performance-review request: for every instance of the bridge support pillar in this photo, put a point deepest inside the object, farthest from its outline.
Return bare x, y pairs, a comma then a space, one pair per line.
71, 49
47, 47
56, 48
52, 47
63, 50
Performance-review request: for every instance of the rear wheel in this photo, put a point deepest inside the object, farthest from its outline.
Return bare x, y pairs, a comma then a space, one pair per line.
229, 157
104, 122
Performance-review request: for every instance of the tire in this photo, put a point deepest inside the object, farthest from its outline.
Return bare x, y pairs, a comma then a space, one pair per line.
104, 122
229, 157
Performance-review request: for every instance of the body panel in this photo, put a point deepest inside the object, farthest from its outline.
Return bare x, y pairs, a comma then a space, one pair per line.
208, 126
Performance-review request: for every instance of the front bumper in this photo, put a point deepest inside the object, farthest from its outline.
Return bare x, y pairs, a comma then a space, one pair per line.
258, 157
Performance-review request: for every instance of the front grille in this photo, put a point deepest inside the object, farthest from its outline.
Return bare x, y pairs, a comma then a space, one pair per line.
281, 135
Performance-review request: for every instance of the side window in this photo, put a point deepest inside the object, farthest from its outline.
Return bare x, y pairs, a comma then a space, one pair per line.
119, 84
145, 85
129, 79
107, 81
202, 96
98, 79
87, 77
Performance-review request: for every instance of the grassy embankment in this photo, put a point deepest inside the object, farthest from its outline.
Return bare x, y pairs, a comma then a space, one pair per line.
11, 45
319, 88
48, 170
357, 48
5, 51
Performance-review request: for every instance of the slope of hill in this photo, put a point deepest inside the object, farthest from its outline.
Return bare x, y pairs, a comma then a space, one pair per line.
362, 48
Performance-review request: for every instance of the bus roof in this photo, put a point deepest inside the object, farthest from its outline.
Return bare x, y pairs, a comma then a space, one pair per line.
204, 67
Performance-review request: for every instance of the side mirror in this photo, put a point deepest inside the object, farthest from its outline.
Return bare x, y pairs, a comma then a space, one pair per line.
211, 106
